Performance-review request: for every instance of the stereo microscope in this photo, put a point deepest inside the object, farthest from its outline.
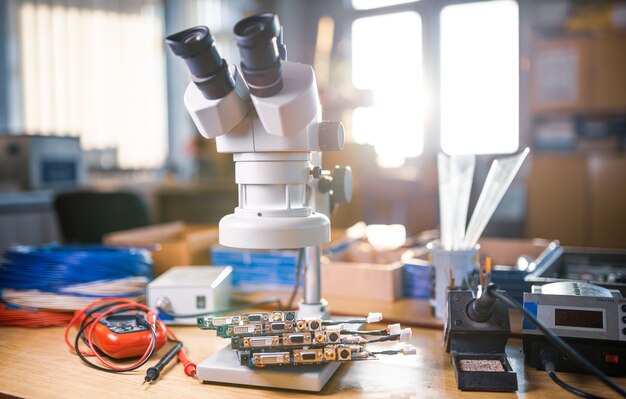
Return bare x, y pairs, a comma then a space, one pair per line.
270, 120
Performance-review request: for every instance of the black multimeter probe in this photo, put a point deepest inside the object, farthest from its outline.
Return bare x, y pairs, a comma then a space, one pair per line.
154, 372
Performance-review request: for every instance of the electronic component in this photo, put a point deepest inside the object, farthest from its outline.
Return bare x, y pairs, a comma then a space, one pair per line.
603, 267
590, 318
122, 335
259, 342
319, 341
212, 322
119, 328
256, 317
35, 162
301, 325
314, 325
330, 354
186, 290
304, 356
344, 353
333, 337
271, 358
245, 329
279, 327
297, 339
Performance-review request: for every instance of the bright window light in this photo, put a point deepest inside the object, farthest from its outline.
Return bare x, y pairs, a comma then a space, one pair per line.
369, 4
480, 78
97, 72
387, 59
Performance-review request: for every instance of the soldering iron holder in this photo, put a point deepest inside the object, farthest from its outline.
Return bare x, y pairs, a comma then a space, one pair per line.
477, 348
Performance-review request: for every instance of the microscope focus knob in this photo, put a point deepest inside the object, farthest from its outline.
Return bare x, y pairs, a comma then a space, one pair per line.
342, 184
330, 136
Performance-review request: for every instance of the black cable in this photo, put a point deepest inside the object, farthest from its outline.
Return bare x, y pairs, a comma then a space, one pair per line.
336, 322
394, 337
548, 356
299, 263
365, 332
570, 388
557, 341
216, 312
388, 352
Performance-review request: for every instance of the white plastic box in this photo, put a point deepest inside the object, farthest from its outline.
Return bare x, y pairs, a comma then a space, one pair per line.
189, 290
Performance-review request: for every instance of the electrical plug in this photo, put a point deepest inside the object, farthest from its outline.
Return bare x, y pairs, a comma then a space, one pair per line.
408, 349
374, 317
394, 329
405, 334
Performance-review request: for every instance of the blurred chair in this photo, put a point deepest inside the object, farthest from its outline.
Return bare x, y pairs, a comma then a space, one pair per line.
85, 216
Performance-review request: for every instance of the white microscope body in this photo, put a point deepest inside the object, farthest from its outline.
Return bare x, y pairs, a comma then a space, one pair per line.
272, 125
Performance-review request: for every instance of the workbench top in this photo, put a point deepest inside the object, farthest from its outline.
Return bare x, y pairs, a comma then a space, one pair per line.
35, 363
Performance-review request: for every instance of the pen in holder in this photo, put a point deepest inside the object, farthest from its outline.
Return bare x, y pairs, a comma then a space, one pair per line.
461, 264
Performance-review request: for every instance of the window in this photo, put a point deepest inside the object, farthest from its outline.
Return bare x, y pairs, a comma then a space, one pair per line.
369, 4
95, 70
387, 59
480, 78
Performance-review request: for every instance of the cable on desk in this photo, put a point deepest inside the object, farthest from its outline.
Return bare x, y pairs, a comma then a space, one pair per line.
11, 315
383, 332
394, 337
548, 357
557, 342
571, 389
53, 268
62, 278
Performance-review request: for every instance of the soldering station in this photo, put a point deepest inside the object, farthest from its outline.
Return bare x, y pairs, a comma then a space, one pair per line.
147, 306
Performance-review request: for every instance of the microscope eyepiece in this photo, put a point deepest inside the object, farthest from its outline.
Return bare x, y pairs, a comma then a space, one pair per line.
209, 71
257, 38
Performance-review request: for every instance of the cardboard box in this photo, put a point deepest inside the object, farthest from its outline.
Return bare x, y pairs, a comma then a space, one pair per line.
505, 251
367, 281
177, 244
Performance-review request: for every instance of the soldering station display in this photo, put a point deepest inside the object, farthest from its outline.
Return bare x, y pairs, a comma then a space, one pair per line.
280, 338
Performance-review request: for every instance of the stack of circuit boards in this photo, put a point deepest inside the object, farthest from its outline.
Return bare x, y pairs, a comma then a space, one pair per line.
280, 338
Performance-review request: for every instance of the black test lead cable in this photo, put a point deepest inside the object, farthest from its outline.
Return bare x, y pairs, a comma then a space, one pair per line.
558, 342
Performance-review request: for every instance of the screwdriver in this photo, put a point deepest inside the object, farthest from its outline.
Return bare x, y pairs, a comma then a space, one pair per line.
154, 372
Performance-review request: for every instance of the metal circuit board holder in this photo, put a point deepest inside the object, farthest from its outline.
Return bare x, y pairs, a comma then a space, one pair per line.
224, 367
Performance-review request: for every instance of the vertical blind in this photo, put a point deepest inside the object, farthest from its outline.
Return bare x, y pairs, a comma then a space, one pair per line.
95, 69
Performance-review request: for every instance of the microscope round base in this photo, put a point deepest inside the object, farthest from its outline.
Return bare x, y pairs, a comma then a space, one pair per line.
274, 232
314, 310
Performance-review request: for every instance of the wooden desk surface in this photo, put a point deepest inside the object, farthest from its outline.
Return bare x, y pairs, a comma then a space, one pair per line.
37, 364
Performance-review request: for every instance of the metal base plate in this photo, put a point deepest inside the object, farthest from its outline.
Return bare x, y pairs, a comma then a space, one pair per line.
224, 367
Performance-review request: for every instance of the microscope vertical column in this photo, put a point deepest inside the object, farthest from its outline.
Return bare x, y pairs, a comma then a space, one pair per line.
313, 306
312, 275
